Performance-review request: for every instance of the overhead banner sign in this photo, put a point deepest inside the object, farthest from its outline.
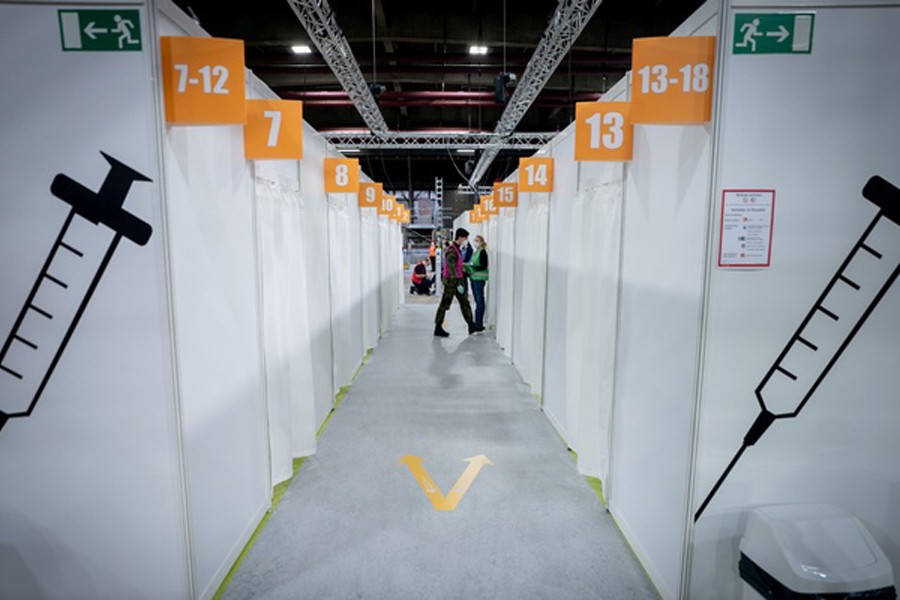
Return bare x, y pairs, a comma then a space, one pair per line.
370, 195
203, 80
274, 129
672, 79
92, 30
773, 33
536, 174
341, 175
507, 195
603, 131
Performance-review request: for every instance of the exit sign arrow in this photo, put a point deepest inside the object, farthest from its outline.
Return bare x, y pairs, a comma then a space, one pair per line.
773, 33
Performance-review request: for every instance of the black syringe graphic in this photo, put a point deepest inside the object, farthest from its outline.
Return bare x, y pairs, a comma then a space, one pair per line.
38, 337
854, 291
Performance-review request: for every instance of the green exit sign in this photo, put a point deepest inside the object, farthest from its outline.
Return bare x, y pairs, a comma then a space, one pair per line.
773, 33
100, 30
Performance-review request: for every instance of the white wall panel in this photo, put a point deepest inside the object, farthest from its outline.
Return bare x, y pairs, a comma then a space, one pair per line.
558, 401
528, 346
371, 290
314, 218
663, 252
503, 277
816, 147
211, 215
91, 503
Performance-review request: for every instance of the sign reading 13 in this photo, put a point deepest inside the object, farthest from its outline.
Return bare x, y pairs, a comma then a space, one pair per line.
603, 131
536, 174
672, 79
341, 175
274, 129
203, 80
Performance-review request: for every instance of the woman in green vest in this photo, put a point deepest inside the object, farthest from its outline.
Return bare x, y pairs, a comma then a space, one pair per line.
478, 274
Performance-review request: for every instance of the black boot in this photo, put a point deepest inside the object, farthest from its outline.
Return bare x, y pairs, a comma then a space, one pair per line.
473, 328
439, 332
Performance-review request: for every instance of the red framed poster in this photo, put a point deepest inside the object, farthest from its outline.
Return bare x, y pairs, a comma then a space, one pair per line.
746, 221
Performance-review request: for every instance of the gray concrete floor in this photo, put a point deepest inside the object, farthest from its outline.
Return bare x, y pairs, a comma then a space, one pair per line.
356, 524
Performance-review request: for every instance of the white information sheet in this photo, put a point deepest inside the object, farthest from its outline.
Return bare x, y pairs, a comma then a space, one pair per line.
745, 228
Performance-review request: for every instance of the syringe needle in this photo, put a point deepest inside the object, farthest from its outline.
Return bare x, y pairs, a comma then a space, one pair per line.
759, 427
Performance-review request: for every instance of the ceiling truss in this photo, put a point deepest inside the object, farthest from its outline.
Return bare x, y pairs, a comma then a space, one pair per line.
566, 25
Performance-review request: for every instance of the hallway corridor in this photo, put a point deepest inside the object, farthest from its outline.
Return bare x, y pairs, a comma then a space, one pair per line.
355, 522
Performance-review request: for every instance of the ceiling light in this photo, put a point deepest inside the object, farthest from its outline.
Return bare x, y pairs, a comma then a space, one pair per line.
301, 49
478, 49
350, 151
465, 150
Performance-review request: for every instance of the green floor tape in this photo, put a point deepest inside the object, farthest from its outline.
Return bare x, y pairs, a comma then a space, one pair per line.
277, 495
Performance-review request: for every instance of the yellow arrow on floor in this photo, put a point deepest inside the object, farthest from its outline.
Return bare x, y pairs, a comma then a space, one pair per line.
459, 489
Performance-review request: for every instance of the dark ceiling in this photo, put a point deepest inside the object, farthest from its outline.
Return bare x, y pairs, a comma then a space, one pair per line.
431, 82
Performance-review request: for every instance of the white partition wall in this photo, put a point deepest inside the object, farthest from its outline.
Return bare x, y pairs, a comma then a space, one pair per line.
503, 276
840, 448
314, 218
663, 252
346, 281
531, 275
369, 253
213, 249
91, 499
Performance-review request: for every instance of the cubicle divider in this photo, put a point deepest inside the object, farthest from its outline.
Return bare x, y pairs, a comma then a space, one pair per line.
617, 303
185, 354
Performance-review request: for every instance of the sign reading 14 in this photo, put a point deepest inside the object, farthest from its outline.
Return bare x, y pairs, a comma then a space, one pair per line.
538, 173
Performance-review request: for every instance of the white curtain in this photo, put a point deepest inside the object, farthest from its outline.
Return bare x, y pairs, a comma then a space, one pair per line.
369, 253
531, 248
292, 427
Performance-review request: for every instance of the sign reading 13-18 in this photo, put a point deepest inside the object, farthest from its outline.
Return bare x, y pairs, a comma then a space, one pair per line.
672, 79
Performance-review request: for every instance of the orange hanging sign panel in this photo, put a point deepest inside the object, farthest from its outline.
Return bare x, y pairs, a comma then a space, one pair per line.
341, 175
203, 80
536, 174
506, 195
370, 195
672, 79
490, 205
603, 131
274, 129
387, 204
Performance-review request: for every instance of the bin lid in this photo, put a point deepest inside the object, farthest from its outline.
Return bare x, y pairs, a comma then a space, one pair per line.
815, 548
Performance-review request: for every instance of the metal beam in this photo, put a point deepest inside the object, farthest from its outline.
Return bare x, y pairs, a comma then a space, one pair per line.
402, 140
566, 25
318, 19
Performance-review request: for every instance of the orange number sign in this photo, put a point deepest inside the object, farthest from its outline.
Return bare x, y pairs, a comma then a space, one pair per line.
274, 129
603, 131
536, 174
341, 174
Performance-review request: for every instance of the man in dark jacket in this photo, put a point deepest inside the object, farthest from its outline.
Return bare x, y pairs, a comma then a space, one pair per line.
453, 277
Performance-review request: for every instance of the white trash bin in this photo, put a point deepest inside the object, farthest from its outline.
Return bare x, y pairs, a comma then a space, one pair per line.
812, 551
